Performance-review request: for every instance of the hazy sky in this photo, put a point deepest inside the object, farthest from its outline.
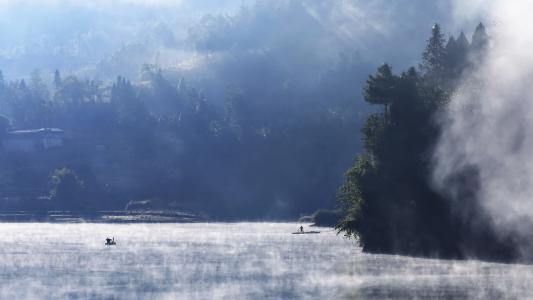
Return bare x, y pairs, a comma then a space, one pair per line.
94, 35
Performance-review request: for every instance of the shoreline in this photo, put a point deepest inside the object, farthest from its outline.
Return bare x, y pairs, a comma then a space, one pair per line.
110, 217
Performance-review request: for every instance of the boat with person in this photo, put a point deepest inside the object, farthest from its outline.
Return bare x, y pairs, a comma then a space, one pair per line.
110, 242
306, 232
301, 231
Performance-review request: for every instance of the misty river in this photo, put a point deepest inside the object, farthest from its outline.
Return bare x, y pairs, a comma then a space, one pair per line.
229, 261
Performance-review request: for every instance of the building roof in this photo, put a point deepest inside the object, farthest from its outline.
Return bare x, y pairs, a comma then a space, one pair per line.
35, 132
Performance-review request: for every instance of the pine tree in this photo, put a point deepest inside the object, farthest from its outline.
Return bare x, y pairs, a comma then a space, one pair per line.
380, 88
57, 80
462, 43
480, 38
451, 45
479, 45
452, 53
456, 54
434, 56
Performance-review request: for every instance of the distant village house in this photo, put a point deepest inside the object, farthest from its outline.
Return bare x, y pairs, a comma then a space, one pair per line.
33, 140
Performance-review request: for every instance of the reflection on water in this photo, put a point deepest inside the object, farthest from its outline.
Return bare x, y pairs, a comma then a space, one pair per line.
229, 261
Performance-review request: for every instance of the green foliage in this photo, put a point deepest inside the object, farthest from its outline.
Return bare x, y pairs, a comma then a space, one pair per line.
236, 111
373, 133
4, 125
128, 106
434, 56
380, 88
479, 45
254, 151
351, 194
387, 200
67, 190
480, 38
58, 82
456, 57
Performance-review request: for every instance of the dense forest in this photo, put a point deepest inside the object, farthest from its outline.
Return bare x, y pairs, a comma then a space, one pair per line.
220, 107
389, 201
161, 144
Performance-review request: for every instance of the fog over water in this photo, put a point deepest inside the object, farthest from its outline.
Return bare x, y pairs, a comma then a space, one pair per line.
487, 128
229, 261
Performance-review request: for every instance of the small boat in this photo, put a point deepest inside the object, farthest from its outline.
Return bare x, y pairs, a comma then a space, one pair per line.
110, 242
306, 232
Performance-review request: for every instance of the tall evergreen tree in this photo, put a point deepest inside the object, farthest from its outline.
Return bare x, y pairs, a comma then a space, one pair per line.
479, 45
456, 59
57, 80
452, 53
451, 45
380, 88
434, 56
463, 48
462, 43
480, 38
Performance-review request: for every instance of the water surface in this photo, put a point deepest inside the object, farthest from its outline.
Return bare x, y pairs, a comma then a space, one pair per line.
229, 261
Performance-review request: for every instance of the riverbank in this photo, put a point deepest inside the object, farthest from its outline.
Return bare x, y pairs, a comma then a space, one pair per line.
124, 216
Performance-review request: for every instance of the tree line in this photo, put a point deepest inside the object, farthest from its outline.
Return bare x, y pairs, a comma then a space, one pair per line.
163, 144
388, 200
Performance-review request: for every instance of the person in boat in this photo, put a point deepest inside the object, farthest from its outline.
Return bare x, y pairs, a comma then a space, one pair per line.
108, 240
301, 229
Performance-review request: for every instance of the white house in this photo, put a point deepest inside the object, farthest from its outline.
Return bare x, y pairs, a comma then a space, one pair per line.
33, 139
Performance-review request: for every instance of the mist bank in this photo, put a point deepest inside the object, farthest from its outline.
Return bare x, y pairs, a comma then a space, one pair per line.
486, 139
